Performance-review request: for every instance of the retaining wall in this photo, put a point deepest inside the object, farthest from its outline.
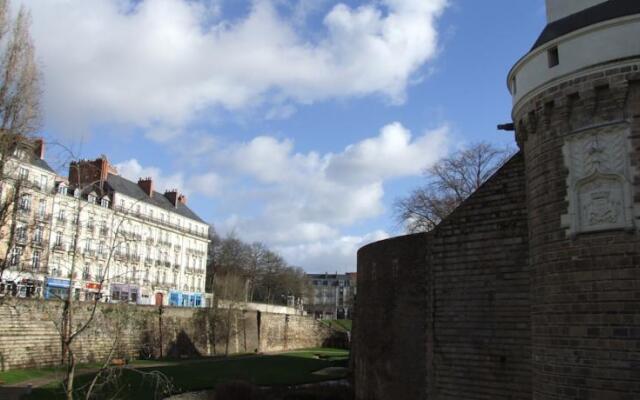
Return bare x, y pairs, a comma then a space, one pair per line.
29, 332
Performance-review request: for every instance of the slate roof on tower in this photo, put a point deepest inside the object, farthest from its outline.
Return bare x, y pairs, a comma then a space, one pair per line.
609, 10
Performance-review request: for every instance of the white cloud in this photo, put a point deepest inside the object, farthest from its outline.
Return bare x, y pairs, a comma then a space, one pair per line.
308, 199
159, 63
336, 254
390, 154
302, 203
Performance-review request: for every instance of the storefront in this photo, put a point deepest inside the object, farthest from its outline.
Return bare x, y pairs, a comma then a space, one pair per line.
21, 287
92, 291
185, 299
124, 293
56, 288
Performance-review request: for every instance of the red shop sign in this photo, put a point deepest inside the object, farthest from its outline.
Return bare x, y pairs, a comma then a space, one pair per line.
92, 285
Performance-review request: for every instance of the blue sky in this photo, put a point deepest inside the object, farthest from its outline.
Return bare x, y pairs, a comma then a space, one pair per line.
292, 122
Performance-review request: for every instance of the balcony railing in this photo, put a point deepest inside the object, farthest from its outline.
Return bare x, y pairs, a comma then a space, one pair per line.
59, 247
43, 217
162, 222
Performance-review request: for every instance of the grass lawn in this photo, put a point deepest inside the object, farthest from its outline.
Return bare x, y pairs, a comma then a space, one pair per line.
339, 324
21, 375
291, 368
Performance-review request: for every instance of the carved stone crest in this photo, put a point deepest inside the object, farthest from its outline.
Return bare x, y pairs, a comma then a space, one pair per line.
599, 182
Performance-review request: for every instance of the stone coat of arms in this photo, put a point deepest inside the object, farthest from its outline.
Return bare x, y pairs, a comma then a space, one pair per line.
599, 181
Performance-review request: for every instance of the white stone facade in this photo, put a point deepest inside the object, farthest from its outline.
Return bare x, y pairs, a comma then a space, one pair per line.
98, 240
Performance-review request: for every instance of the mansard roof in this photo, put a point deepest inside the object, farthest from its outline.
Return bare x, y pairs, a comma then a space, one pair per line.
131, 189
40, 163
602, 12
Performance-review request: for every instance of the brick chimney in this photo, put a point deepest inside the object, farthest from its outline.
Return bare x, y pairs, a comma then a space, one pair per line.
83, 172
182, 199
172, 196
39, 148
146, 184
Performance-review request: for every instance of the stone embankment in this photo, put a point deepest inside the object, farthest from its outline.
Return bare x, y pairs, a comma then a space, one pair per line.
29, 333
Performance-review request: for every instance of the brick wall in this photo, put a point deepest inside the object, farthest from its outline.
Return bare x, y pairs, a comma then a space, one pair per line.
29, 336
586, 287
445, 315
478, 283
389, 343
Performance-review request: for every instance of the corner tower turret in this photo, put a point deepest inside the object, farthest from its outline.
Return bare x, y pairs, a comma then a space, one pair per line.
576, 109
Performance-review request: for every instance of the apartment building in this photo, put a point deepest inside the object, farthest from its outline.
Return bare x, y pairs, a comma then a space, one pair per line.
26, 183
333, 295
117, 240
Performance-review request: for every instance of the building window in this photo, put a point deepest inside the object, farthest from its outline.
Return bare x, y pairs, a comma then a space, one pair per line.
14, 257
104, 202
42, 208
62, 189
122, 204
37, 235
35, 260
76, 193
91, 198
58, 241
25, 203
21, 233
61, 216
24, 173
553, 56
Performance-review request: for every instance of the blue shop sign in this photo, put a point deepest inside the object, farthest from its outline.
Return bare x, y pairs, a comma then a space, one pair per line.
175, 298
62, 283
181, 299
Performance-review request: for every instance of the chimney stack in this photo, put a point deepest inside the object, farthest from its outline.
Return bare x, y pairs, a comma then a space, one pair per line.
146, 184
84, 172
172, 196
39, 148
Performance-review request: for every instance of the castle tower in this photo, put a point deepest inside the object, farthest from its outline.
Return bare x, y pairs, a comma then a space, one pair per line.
577, 117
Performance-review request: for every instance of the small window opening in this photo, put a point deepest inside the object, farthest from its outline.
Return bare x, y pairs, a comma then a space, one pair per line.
553, 56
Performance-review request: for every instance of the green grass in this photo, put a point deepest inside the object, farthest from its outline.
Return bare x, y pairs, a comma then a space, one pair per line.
343, 325
270, 370
21, 375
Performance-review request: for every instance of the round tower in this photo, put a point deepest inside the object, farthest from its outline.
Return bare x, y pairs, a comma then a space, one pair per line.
577, 117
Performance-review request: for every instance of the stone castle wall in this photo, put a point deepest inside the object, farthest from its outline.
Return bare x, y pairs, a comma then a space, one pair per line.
441, 311
29, 332
530, 289
581, 141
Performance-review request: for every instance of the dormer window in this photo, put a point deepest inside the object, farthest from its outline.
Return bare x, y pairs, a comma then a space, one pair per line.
62, 189
91, 198
104, 202
76, 193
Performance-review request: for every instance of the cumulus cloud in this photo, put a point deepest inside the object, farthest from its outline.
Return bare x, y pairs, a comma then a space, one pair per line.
302, 203
160, 63
308, 198
336, 254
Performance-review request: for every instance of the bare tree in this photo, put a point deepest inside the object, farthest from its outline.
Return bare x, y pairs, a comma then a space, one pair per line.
19, 76
449, 182
19, 113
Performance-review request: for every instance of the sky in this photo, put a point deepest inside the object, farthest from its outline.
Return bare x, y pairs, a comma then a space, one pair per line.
296, 123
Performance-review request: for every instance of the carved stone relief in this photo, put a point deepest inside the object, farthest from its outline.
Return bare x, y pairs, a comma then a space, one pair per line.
600, 181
